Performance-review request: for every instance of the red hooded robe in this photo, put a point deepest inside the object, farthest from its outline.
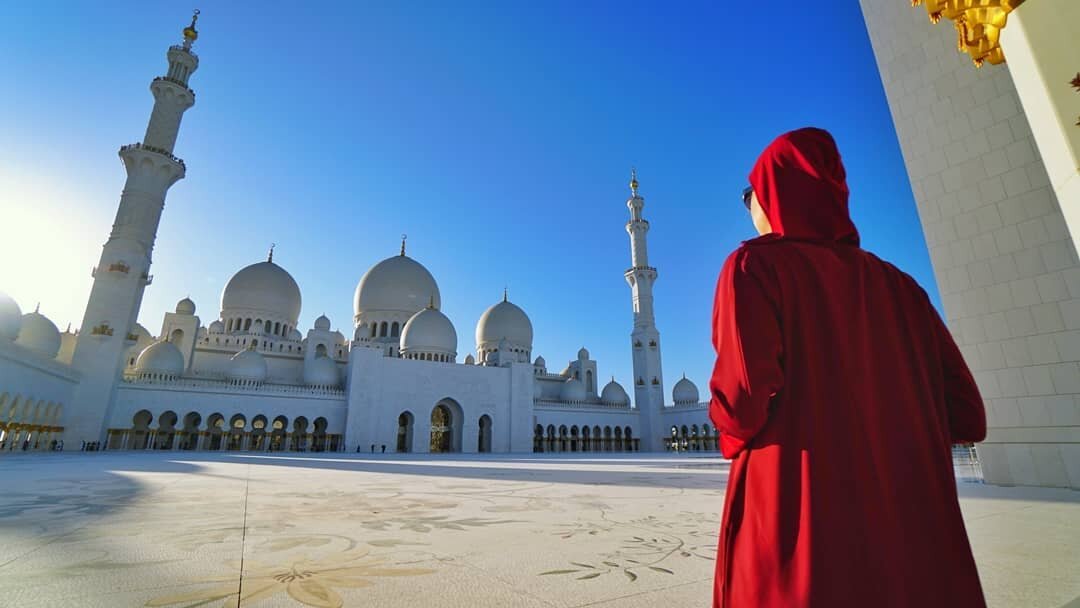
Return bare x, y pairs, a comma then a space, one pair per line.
838, 392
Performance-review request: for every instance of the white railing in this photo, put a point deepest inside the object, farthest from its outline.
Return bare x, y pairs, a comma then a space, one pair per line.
700, 405
579, 404
209, 384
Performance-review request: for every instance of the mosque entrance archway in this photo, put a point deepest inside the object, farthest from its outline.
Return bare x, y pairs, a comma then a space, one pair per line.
318, 437
258, 433
484, 442
166, 430
140, 430
404, 432
277, 433
191, 431
446, 419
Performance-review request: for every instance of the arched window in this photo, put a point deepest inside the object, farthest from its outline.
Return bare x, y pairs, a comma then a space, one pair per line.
277, 328
589, 381
320, 350
394, 330
247, 324
229, 326
269, 327
373, 329
382, 329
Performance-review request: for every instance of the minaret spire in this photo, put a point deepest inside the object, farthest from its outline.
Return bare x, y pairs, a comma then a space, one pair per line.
403, 238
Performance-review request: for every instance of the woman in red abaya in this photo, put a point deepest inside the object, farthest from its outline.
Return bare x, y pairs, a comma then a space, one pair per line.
838, 392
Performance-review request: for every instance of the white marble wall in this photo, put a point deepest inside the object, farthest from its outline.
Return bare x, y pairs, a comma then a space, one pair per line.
1004, 261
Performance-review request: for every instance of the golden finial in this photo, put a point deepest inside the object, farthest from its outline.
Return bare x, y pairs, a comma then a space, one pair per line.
633, 181
270, 255
403, 237
506, 291
190, 33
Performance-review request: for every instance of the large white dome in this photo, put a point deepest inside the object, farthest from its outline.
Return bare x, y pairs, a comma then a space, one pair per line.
685, 391
160, 358
614, 394
321, 371
505, 320
573, 391
10, 317
39, 335
264, 288
247, 365
397, 284
429, 331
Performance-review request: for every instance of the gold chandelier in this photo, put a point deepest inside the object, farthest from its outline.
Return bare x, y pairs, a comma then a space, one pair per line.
978, 24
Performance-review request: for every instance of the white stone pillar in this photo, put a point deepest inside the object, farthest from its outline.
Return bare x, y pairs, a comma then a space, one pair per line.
1041, 42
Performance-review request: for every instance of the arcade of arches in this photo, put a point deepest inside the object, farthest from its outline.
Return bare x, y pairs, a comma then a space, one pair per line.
585, 439
216, 433
689, 439
27, 423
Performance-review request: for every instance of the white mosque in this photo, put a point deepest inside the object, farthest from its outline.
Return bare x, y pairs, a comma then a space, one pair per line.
252, 380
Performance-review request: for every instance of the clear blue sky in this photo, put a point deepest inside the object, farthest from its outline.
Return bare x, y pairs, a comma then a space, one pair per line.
498, 135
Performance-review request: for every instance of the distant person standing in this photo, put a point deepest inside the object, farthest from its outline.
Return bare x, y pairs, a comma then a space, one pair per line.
838, 392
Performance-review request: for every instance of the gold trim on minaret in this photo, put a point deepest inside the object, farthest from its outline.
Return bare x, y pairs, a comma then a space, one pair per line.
978, 25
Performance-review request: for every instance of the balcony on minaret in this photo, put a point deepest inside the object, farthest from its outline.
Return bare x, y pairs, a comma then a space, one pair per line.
155, 150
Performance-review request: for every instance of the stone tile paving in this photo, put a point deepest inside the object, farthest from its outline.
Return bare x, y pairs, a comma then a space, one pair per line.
146, 529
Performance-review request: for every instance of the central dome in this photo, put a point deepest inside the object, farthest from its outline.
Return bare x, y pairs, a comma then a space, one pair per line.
398, 284
262, 288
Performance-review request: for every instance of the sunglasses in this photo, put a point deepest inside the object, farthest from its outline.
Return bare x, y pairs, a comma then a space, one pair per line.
747, 194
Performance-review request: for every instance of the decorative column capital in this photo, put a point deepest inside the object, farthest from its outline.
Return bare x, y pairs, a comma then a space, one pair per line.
978, 25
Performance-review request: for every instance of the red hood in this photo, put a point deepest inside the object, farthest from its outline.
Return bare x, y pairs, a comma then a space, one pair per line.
800, 184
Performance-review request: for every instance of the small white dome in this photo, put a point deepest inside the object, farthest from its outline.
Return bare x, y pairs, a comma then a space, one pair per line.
399, 284
217, 327
540, 362
583, 354
160, 358
264, 288
470, 360
321, 371
566, 373
429, 331
573, 391
10, 317
185, 307
614, 394
247, 365
685, 391
322, 323
296, 335
39, 335
505, 320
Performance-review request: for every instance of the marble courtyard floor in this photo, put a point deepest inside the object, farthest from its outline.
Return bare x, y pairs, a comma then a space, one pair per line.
196, 529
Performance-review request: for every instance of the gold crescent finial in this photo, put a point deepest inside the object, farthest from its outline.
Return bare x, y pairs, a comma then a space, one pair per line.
270, 255
633, 181
190, 33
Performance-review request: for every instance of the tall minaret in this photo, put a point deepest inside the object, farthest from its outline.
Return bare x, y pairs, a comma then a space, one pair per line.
123, 272
645, 339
